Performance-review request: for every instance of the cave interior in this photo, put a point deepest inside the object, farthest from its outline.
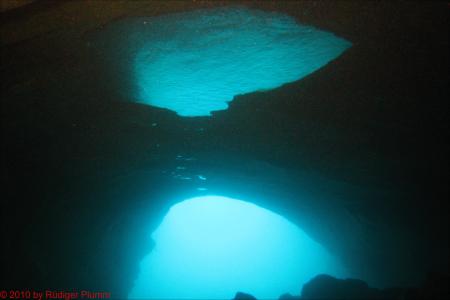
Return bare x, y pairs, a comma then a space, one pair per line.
355, 154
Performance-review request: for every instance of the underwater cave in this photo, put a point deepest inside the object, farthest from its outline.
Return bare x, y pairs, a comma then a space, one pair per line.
205, 249
220, 149
194, 63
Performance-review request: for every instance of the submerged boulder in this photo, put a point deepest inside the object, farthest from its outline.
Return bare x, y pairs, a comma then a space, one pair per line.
327, 287
243, 296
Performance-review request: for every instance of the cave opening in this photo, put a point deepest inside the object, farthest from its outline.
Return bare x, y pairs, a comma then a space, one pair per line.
194, 63
211, 247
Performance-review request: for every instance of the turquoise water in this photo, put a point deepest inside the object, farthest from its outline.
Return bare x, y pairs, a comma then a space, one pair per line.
194, 63
211, 247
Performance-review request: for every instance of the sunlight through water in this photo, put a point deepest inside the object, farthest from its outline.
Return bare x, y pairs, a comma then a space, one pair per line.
195, 62
212, 247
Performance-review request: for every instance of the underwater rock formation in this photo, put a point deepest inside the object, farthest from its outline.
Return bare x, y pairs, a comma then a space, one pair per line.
288, 296
243, 296
87, 174
328, 287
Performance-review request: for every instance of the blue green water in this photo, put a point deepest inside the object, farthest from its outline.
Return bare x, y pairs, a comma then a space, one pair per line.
195, 62
211, 247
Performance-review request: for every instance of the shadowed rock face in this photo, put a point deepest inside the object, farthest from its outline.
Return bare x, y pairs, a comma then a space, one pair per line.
356, 154
7, 5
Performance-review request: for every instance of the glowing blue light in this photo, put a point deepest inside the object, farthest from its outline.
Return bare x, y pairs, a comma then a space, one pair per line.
195, 62
211, 247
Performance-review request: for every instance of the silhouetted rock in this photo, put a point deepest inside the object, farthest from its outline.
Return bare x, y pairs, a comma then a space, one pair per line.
327, 287
243, 296
288, 296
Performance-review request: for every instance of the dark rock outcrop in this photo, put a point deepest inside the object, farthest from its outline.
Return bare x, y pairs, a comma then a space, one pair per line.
288, 296
243, 296
328, 287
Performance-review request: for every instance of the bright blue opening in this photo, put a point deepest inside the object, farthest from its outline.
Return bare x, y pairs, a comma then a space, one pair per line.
211, 247
195, 62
